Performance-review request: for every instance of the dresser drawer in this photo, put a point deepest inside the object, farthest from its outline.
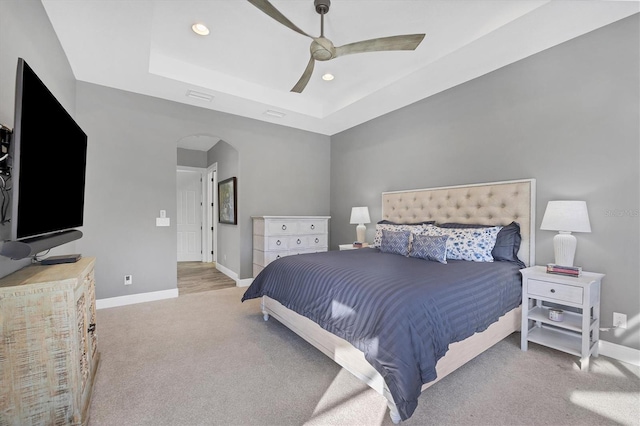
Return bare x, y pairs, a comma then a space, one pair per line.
298, 242
263, 258
307, 250
277, 243
314, 241
555, 291
281, 227
312, 227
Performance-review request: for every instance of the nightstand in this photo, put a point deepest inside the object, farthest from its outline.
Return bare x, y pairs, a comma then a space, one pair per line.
349, 247
578, 332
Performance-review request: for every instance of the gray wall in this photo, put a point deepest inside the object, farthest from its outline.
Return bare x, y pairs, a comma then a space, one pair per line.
131, 175
568, 117
192, 158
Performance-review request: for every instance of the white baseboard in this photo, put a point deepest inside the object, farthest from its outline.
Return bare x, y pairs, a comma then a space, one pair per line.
130, 299
246, 282
619, 352
228, 272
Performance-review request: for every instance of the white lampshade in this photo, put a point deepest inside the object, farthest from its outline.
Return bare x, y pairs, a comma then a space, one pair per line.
570, 216
360, 216
565, 217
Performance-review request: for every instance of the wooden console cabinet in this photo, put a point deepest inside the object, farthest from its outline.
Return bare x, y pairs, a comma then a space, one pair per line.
49, 350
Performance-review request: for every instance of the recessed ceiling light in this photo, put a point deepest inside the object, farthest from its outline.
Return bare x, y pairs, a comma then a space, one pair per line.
328, 77
200, 29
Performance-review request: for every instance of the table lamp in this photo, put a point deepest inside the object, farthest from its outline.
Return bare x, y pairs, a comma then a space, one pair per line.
565, 217
360, 215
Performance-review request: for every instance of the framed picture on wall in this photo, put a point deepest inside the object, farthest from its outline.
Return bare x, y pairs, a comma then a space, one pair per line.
228, 201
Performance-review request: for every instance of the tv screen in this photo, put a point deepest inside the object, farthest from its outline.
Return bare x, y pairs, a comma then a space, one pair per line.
48, 153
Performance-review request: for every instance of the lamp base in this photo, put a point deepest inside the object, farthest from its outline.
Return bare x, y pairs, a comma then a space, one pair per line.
564, 248
361, 232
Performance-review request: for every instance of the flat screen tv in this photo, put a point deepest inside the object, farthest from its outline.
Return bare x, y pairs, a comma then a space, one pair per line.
48, 159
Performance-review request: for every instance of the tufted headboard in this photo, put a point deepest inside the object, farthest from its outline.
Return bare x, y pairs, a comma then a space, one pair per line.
494, 203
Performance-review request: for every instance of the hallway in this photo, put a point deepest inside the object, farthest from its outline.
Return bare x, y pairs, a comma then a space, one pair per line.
196, 277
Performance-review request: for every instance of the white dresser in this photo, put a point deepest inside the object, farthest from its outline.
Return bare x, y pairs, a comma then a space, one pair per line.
278, 236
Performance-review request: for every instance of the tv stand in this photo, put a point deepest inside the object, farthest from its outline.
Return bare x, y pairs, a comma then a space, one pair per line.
65, 258
32, 246
49, 355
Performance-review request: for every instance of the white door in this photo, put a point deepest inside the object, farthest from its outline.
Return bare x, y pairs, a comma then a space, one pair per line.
189, 220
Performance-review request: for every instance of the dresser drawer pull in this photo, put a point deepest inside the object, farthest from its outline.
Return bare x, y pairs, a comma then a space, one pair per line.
317, 240
278, 242
313, 226
284, 227
298, 242
278, 257
553, 290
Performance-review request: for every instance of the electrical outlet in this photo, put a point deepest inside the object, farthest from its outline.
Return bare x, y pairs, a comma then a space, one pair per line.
619, 320
128, 279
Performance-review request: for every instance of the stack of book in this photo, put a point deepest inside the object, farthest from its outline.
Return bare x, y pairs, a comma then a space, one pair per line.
360, 245
572, 271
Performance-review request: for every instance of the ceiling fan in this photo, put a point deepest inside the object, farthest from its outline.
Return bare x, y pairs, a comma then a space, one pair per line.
322, 49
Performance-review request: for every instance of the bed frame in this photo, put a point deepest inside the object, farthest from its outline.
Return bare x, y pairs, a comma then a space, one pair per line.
496, 203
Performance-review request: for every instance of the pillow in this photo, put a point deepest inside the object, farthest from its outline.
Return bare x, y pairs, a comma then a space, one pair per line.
473, 244
429, 248
388, 222
390, 226
396, 242
507, 242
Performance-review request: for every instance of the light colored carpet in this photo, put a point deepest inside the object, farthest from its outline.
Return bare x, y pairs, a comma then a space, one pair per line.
207, 359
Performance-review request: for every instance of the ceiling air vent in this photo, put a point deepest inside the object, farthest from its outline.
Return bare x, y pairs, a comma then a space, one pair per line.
273, 113
199, 96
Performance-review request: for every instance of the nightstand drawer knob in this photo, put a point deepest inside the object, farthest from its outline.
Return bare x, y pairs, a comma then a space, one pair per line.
313, 226
317, 240
298, 241
284, 227
553, 290
278, 242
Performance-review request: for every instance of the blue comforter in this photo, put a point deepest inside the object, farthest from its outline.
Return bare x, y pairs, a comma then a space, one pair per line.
401, 312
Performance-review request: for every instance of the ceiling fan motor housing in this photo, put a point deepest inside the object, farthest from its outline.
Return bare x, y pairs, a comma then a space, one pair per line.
322, 6
322, 49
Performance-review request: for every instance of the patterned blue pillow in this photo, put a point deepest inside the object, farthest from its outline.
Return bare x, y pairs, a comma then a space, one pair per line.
474, 244
395, 242
390, 226
429, 248
507, 242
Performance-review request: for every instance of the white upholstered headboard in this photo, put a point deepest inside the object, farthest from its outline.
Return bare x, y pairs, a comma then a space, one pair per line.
494, 203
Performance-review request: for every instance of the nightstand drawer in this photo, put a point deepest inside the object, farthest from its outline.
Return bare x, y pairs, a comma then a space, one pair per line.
559, 292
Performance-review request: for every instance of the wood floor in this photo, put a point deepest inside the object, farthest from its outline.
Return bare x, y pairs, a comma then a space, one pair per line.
196, 277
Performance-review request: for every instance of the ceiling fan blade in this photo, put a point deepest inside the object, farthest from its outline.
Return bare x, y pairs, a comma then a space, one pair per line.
400, 42
270, 10
306, 75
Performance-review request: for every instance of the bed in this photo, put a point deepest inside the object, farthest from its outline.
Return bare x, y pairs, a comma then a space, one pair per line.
398, 322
